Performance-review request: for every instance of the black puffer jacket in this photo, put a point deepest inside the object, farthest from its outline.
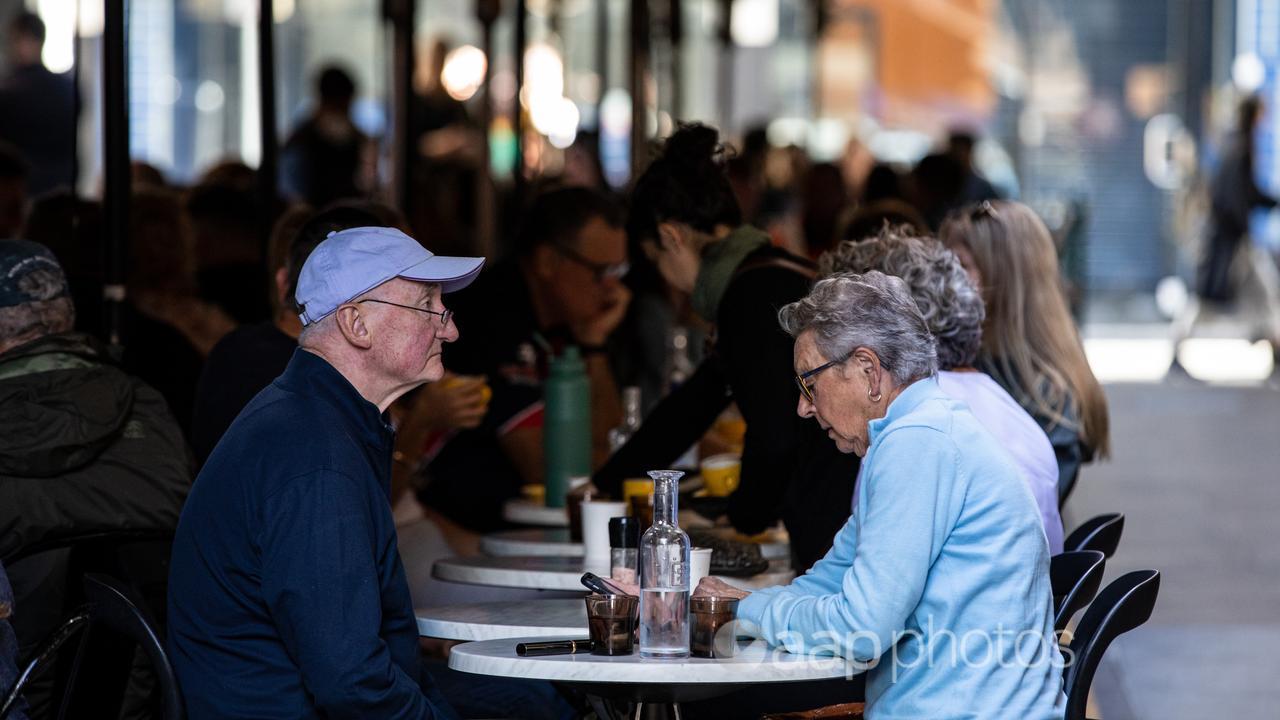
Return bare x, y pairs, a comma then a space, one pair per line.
83, 446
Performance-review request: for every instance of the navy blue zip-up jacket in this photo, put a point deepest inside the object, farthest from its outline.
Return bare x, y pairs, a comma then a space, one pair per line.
287, 597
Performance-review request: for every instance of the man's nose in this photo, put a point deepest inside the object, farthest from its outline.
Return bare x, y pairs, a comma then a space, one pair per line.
451, 332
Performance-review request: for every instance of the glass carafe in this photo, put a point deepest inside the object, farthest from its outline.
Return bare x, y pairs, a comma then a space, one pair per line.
664, 574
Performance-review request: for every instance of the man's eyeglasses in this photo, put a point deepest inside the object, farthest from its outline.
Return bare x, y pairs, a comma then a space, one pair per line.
805, 388
602, 271
446, 316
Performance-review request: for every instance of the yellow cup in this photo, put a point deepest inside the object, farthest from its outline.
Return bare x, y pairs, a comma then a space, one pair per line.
534, 493
636, 486
721, 473
454, 381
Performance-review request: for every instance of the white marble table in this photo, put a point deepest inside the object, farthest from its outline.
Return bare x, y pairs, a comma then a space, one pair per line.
523, 512
634, 679
555, 541
565, 573
558, 617
754, 662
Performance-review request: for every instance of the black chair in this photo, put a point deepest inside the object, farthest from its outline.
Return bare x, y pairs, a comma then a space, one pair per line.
46, 654
1101, 533
1124, 605
1076, 577
139, 558
114, 626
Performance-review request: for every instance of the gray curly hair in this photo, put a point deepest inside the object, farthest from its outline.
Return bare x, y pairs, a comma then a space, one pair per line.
951, 306
872, 310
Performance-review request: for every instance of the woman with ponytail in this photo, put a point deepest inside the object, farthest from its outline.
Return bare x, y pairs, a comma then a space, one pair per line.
686, 220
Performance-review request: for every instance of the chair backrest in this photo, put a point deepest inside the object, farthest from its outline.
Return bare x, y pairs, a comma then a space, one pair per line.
115, 614
1124, 605
109, 538
44, 657
1076, 577
1101, 533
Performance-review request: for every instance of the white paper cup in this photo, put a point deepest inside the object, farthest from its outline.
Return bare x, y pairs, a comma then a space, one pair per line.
699, 566
595, 527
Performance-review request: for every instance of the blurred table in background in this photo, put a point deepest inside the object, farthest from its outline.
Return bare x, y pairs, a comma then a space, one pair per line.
565, 573
530, 541
526, 512
555, 542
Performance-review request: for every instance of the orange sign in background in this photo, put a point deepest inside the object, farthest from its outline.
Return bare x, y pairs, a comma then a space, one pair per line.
918, 63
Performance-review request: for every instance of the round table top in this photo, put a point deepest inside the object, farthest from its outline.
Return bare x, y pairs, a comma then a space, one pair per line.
531, 541
556, 617
565, 573
524, 512
555, 541
754, 662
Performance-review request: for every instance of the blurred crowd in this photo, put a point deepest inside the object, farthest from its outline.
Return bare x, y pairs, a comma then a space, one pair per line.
671, 286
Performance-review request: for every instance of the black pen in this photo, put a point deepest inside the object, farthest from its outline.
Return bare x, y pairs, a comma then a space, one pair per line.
553, 647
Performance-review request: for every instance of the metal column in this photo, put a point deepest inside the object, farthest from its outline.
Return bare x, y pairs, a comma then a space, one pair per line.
639, 86
116, 172
402, 14
268, 173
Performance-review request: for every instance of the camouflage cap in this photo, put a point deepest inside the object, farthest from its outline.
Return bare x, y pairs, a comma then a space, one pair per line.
29, 272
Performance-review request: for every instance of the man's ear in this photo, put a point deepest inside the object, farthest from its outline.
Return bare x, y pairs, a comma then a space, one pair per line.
671, 236
282, 287
543, 261
351, 324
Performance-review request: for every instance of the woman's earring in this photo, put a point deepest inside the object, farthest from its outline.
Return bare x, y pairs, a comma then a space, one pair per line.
873, 397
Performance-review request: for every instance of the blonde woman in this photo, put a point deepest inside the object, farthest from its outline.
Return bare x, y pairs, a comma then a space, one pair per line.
953, 311
1030, 344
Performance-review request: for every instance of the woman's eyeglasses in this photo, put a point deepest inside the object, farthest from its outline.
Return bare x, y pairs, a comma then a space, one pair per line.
805, 388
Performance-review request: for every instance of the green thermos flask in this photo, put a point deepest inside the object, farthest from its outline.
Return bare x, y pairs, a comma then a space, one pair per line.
566, 425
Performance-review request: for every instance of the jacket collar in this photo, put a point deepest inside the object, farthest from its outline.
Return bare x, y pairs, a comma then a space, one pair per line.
71, 343
720, 261
311, 375
907, 401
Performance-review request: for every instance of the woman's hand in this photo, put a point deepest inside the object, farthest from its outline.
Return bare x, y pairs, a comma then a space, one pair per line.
624, 587
715, 587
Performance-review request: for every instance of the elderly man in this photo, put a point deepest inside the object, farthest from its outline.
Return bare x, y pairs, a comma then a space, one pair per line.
287, 594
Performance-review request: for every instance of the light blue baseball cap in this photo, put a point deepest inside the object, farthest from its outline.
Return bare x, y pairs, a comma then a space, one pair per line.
351, 262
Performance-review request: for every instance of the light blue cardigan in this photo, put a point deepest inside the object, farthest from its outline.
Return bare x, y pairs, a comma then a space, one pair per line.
942, 574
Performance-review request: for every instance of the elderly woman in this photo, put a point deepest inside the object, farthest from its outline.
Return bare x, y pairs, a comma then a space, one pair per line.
942, 573
953, 310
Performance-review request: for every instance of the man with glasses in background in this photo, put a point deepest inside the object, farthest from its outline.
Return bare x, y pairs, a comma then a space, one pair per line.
563, 286
287, 596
